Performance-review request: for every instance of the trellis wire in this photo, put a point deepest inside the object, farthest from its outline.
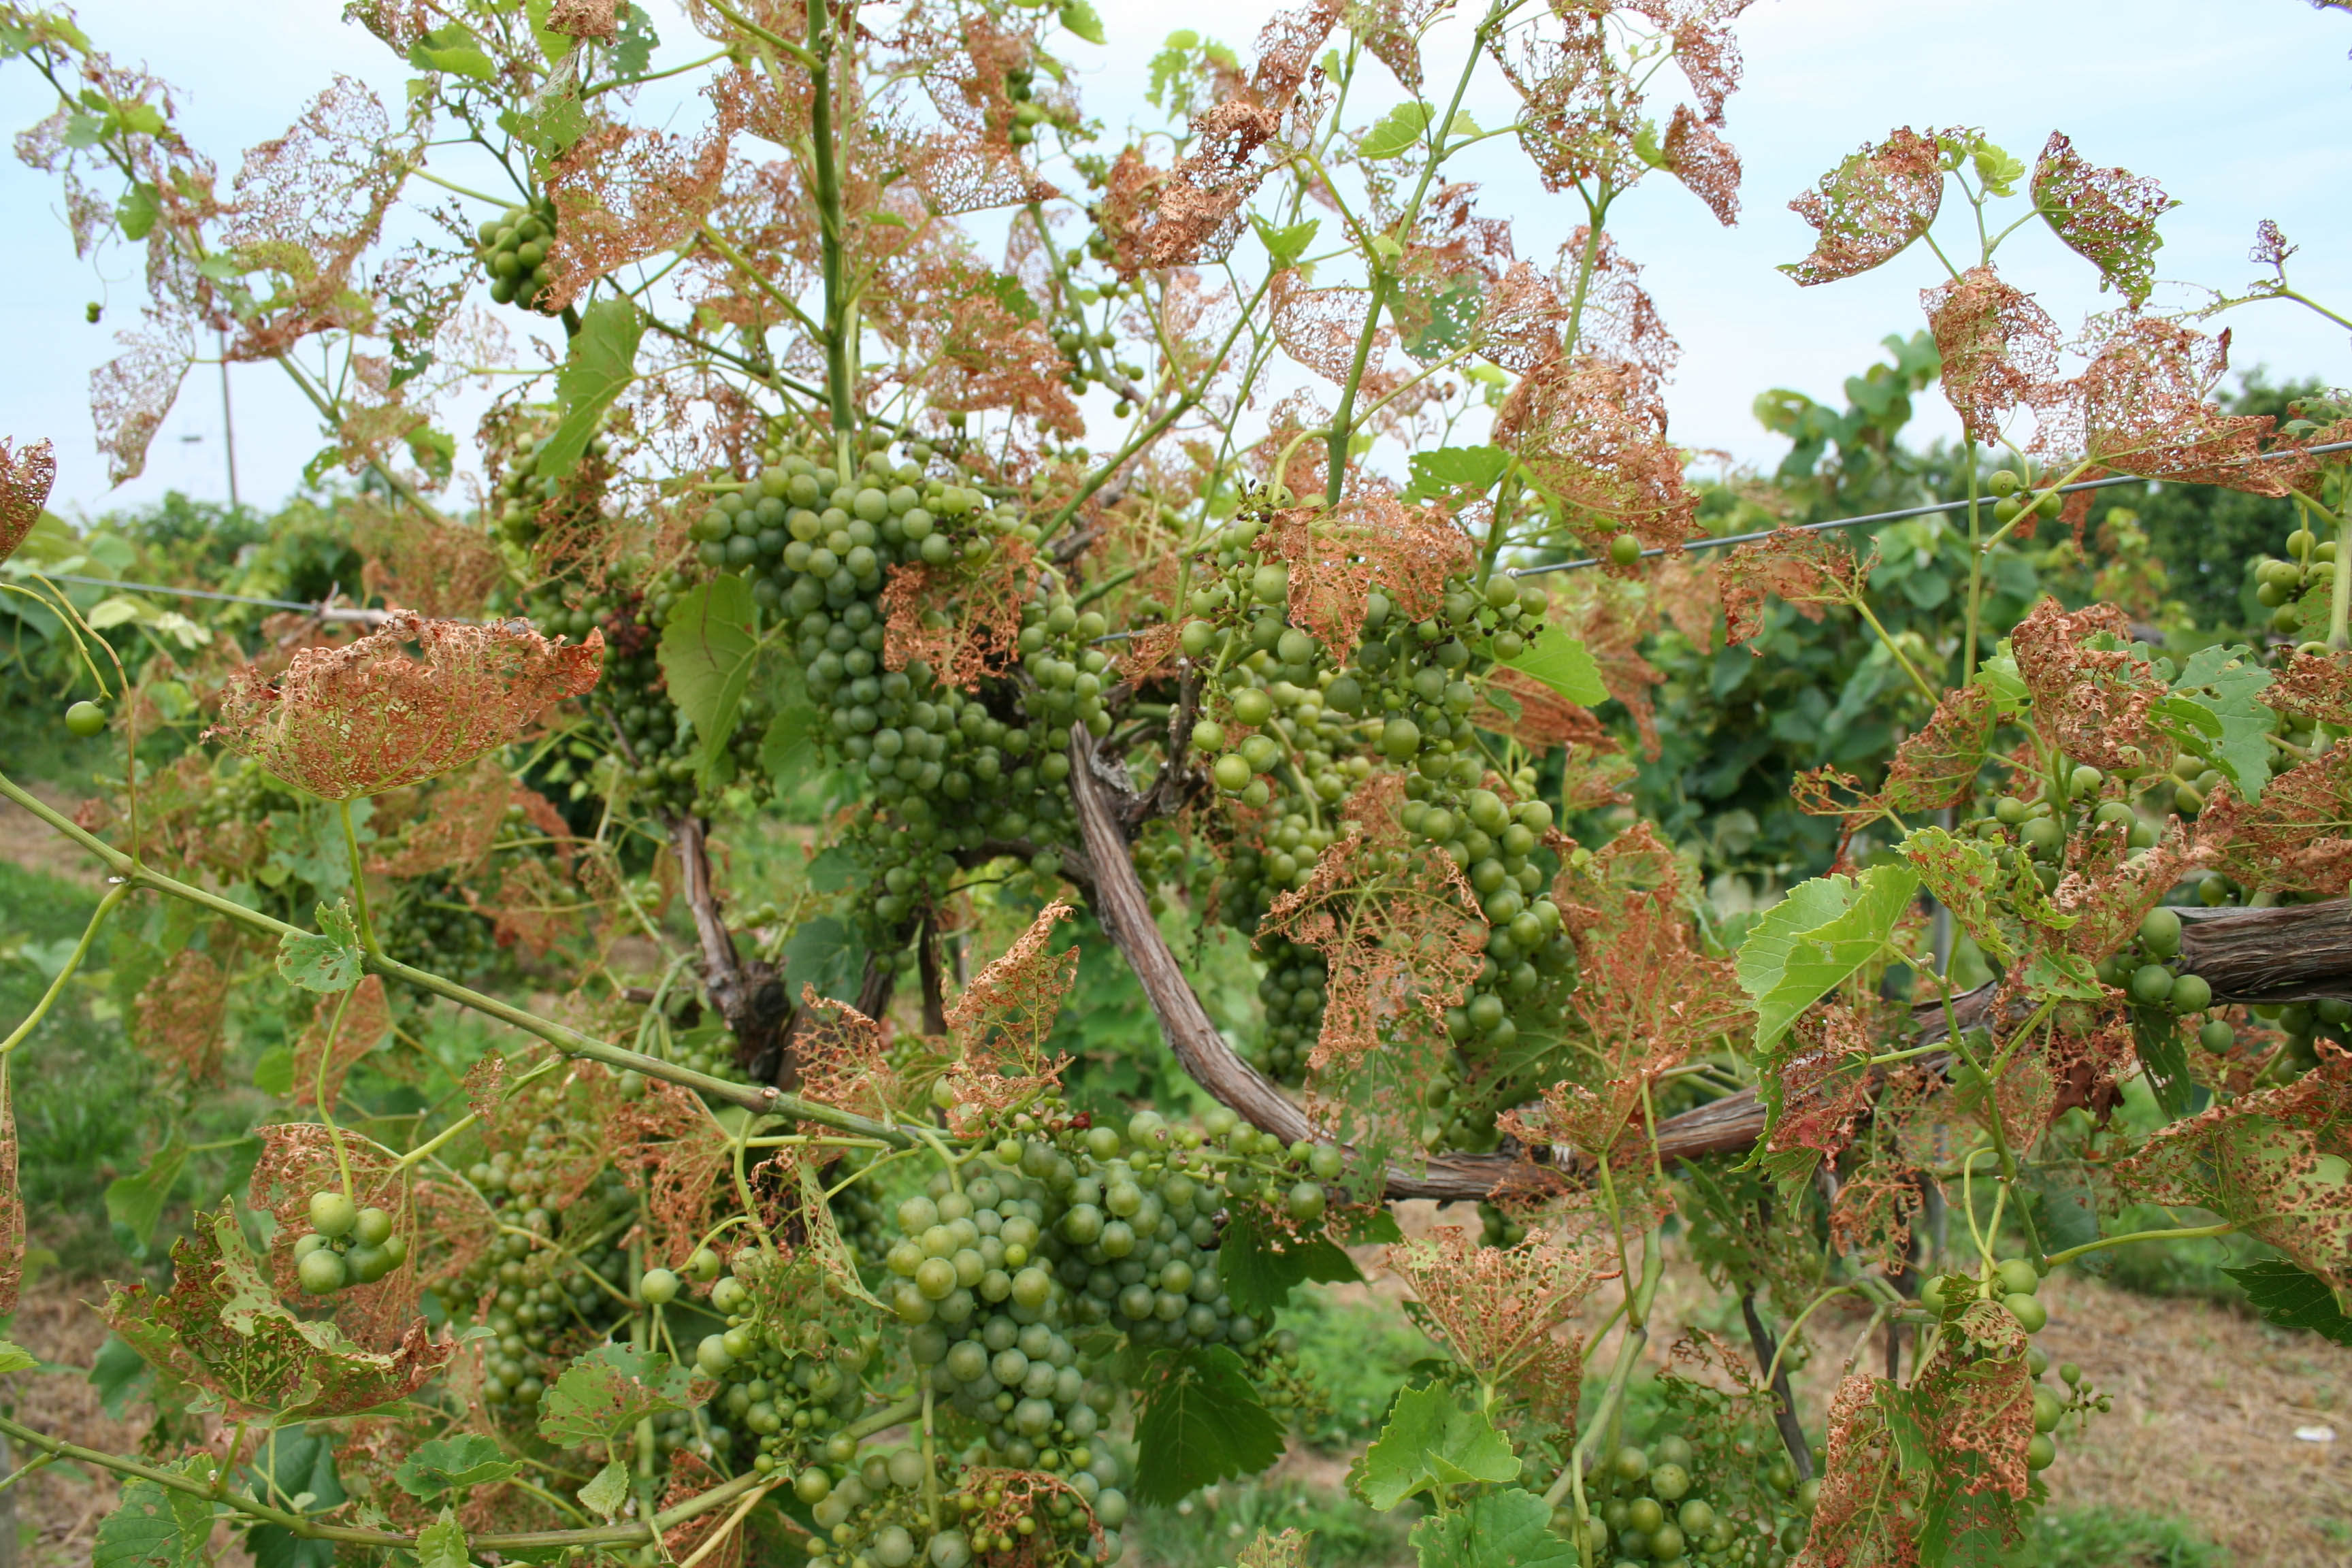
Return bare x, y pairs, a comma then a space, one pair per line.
1927, 510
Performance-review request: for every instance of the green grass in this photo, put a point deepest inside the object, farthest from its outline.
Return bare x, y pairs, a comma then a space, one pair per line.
2102, 1537
78, 1086
1357, 1354
1211, 1529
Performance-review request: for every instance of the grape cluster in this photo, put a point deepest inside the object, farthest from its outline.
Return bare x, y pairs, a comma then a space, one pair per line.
513, 252
2148, 970
347, 1244
787, 1391
1671, 1502
431, 926
526, 503
1294, 993
555, 1279
2296, 590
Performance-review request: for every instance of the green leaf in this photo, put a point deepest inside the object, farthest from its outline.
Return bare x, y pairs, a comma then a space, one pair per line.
788, 753
1201, 1421
1562, 663
1459, 471
136, 1203
824, 953
2212, 711
1080, 17
553, 126
443, 1544
1397, 135
609, 1491
453, 1464
154, 1526
632, 48
1259, 1266
13, 1358
1430, 1442
608, 1390
2165, 1056
136, 212
1463, 125
708, 652
1509, 1528
600, 363
2293, 1298
1286, 244
329, 961
453, 50
1815, 938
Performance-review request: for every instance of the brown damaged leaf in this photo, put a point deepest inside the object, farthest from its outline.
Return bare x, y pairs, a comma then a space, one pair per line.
1870, 208
2000, 349
962, 621
1002, 1023
359, 720
176, 1020
2107, 216
1807, 568
24, 479
332, 1046
1502, 1311
220, 1328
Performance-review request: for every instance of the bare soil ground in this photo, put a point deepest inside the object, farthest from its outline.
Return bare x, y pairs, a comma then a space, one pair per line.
35, 845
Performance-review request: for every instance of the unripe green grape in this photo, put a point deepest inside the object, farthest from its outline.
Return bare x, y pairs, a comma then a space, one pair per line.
85, 719
1625, 549
332, 1214
321, 1272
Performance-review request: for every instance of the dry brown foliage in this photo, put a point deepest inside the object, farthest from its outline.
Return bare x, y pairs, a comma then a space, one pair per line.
437, 569
1539, 717
2105, 215
333, 1045
1371, 539
1580, 109
1824, 1082
983, 354
622, 193
962, 621
177, 1017
532, 908
1975, 1400
1593, 437
1193, 212
1002, 1021
843, 1057
1863, 1478
306, 206
1399, 929
297, 1159
671, 1148
1999, 348
2258, 1157
25, 480
1936, 766
2144, 405
1704, 162
1646, 997
2091, 703
1611, 617
130, 394
1871, 207
2315, 686
1807, 568
1269, 1549
1025, 1492
584, 19
455, 826
360, 720
1502, 1311
2298, 836
690, 1475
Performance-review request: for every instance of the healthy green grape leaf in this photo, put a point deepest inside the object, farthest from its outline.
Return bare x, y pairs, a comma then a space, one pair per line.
453, 1464
1286, 244
709, 655
136, 1203
454, 49
824, 953
1509, 1528
788, 753
1201, 1421
609, 1491
442, 1544
600, 363
298, 1462
1432, 1442
1811, 941
16, 1358
1398, 134
554, 125
2293, 1298
634, 45
2066, 1216
1259, 1266
329, 961
1456, 472
136, 212
1562, 663
2212, 711
2165, 1058
221, 1327
608, 1390
156, 1527
1080, 17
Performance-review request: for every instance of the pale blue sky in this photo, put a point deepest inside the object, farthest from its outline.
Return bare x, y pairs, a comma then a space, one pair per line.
2238, 109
